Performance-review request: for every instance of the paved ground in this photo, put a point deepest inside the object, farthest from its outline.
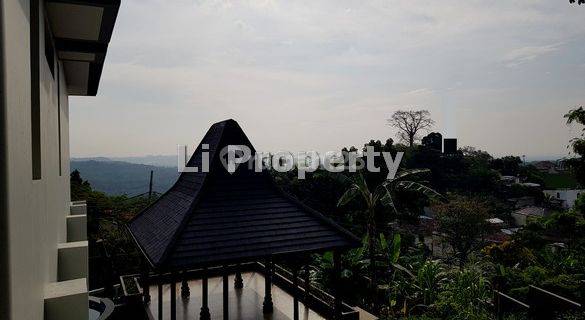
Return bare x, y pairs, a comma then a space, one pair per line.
245, 304
364, 315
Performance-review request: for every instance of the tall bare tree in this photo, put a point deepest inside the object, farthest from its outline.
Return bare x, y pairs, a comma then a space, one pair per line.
410, 124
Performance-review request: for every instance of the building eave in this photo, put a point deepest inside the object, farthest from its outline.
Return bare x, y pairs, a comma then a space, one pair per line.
82, 31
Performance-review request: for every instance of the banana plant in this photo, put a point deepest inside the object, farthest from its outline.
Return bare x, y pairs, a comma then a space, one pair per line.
382, 194
391, 253
353, 264
391, 250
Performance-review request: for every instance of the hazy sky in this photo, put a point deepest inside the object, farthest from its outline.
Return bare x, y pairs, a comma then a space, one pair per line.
319, 75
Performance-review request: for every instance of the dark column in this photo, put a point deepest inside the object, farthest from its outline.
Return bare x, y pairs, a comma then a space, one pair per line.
268, 307
226, 310
337, 304
106, 265
204, 314
160, 298
185, 292
173, 297
238, 281
307, 283
295, 274
145, 283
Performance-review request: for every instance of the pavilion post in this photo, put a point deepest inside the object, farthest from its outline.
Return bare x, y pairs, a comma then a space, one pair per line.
173, 297
238, 281
226, 311
204, 314
185, 292
295, 279
268, 306
337, 303
160, 298
145, 283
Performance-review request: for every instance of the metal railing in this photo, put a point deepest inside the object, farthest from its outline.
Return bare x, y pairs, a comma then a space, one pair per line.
541, 305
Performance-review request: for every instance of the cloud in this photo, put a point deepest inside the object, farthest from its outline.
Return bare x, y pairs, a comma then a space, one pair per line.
526, 54
341, 66
421, 91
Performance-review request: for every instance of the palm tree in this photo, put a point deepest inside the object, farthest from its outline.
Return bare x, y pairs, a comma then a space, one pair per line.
382, 194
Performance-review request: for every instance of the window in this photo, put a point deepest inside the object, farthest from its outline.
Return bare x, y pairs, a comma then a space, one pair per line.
59, 116
35, 109
49, 49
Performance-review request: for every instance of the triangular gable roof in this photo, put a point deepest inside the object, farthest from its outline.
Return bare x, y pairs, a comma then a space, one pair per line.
217, 217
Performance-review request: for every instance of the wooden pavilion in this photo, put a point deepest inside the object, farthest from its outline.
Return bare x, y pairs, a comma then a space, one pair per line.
211, 219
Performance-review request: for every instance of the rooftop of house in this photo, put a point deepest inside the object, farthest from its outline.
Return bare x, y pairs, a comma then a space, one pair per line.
531, 211
495, 221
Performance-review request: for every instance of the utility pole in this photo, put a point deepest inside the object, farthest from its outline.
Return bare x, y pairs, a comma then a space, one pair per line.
150, 187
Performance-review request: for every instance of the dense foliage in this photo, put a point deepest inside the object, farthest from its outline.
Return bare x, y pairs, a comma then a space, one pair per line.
456, 280
111, 251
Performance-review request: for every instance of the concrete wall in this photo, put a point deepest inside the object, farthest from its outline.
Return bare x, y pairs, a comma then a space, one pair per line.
4, 303
35, 209
519, 219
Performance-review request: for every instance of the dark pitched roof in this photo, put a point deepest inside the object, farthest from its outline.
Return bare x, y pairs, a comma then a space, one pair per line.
217, 217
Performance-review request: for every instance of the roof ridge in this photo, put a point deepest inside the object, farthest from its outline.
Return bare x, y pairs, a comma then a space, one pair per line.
208, 136
185, 218
177, 181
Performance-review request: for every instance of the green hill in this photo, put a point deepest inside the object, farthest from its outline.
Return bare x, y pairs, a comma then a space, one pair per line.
118, 177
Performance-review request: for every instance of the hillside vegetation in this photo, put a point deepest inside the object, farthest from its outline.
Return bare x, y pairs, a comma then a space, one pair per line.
117, 177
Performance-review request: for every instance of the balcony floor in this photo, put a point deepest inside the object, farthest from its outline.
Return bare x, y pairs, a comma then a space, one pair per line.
244, 304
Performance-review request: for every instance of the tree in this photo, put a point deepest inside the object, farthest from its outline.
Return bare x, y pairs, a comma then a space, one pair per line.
508, 165
577, 165
433, 140
410, 124
382, 194
477, 156
463, 221
80, 189
580, 2
579, 206
376, 178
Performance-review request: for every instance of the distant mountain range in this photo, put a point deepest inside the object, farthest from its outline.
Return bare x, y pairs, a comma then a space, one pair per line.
130, 177
151, 160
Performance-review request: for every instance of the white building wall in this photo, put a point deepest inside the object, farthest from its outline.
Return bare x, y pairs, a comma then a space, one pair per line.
36, 209
569, 196
519, 219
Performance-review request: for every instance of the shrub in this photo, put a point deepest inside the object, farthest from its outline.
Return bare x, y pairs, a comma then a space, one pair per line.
510, 253
467, 296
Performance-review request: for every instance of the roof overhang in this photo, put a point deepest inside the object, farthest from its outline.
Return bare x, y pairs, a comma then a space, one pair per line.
82, 30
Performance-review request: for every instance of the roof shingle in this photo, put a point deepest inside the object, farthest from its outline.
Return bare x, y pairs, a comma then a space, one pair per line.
217, 217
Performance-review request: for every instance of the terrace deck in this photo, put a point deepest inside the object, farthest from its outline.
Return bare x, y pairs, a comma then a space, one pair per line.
244, 304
